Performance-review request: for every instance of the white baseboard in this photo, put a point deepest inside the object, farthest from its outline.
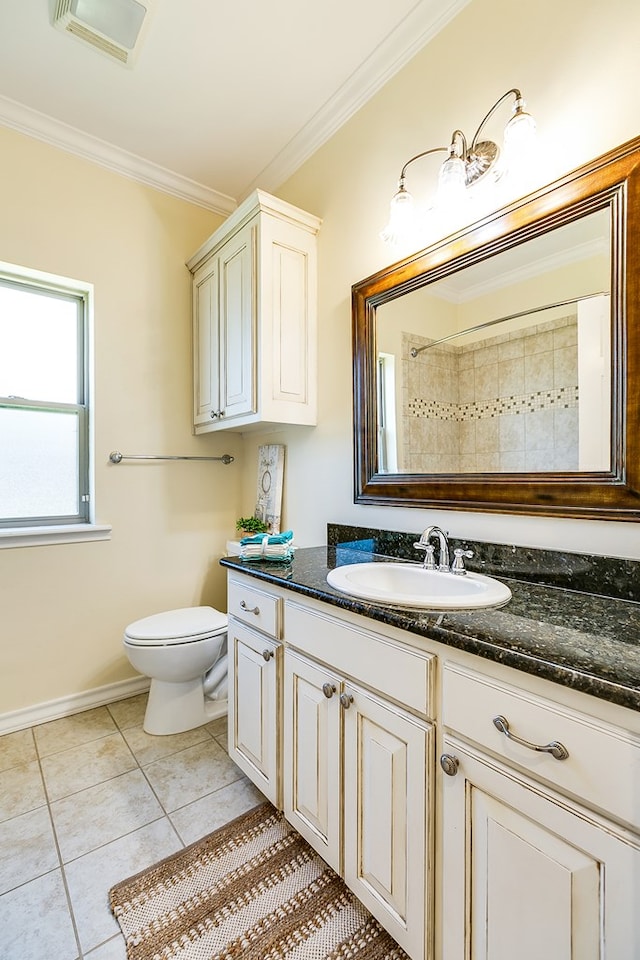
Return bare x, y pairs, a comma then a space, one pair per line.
75, 703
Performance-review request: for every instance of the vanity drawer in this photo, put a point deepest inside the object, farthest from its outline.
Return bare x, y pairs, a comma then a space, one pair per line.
398, 672
603, 764
260, 610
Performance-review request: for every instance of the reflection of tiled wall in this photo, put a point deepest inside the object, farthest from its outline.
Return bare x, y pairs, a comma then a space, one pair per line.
509, 403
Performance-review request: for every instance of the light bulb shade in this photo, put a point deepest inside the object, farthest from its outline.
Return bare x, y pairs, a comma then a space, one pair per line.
452, 182
402, 218
519, 139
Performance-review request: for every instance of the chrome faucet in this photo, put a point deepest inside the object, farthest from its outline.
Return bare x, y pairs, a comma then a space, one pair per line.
425, 544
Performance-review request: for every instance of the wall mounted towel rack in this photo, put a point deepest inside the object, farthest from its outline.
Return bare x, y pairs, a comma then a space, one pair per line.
116, 457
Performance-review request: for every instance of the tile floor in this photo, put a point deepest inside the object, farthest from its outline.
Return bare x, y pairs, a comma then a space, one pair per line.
91, 799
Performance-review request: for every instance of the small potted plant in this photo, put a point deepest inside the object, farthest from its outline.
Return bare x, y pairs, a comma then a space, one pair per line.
248, 526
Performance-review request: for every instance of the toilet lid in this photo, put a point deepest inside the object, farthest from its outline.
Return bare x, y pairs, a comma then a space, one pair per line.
176, 626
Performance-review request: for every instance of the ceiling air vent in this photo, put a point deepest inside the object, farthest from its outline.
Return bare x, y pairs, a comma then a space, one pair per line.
114, 27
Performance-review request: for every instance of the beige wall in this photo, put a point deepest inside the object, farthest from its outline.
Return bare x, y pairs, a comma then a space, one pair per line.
576, 63
63, 608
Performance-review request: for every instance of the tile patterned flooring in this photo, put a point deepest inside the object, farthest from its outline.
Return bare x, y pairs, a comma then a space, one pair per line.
88, 800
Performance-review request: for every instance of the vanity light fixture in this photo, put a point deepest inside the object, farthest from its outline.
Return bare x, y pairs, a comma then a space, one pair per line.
467, 163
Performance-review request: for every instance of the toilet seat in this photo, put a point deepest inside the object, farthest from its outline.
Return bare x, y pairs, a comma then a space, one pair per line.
185, 625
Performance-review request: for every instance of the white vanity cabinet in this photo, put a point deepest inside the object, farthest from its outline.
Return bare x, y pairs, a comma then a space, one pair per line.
537, 856
254, 318
354, 786
254, 678
497, 851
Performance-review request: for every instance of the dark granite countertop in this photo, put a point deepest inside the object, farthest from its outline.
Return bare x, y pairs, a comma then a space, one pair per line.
581, 640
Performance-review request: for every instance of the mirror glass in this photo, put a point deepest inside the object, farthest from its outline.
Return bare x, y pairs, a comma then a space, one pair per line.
499, 368
505, 365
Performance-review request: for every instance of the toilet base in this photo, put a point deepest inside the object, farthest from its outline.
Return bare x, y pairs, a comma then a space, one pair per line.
177, 707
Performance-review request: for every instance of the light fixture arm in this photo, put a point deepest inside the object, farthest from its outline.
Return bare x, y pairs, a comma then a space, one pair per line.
418, 156
513, 92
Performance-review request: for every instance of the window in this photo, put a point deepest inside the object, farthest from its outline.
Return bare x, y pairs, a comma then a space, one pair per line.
44, 392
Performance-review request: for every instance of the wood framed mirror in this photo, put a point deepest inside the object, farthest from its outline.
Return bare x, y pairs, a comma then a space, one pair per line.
499, 369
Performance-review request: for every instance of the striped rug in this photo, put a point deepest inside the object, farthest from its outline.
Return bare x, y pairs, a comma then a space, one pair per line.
252, 889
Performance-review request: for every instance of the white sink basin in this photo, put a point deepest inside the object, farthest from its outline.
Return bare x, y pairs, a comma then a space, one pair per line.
410, 585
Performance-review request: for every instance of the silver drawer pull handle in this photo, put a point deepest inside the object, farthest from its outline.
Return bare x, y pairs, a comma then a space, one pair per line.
328, 689
247, 609
346, 700
267, 655
555, 748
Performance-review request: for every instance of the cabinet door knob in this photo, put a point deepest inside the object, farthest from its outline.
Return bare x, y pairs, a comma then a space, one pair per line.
221, 413
346, 700
214, 414
449, 764
267, 655
255, 610
555, 748
328, 689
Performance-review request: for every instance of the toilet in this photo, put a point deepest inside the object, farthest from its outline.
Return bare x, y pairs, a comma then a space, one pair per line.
184, 653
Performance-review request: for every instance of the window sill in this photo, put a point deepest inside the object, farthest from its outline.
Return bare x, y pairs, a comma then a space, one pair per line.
64, 533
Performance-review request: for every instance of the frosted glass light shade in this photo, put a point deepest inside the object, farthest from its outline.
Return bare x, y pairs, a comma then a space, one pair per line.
402, 218
519, 139
452, 185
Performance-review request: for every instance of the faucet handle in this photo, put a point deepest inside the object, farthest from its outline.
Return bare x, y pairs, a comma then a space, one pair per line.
458, 561
428, 562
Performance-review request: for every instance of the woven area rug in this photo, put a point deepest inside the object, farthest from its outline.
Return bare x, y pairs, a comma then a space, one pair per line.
252, 889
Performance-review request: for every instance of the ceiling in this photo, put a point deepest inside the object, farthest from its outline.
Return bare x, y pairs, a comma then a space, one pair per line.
223, 97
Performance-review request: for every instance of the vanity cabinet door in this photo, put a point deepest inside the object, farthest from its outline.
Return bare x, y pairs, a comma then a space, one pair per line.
312, 782
388, 764
253, 707
527, 875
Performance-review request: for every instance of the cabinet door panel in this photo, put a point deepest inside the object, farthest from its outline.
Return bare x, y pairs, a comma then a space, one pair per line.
387, 764
253, 731
237, 299
312, 756
526, 874
205, 337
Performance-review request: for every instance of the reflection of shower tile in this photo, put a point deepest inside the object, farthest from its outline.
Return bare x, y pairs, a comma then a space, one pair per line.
468, 437
484, 356
536, 461
566, 459
538, 372
511, 433
565, 427
488, 435
488, 462
465, 359
511, 377
511, 349
565, 366
486, 378
467, 463
538, 343
566, 336
539, 432
512, 461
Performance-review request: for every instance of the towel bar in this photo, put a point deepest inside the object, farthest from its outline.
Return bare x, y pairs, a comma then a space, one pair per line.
116, 457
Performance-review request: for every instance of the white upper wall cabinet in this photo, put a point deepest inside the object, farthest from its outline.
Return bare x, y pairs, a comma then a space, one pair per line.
255, 319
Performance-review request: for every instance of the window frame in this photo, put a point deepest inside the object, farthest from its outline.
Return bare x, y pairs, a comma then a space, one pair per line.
20, 531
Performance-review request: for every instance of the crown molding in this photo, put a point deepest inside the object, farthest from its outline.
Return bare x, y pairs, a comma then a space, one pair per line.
54, 132
425, 20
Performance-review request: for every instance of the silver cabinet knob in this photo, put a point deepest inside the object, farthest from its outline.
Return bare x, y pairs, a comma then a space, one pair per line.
254, 610
346, 700
267, 655
213, 414
328, 689
449, 764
